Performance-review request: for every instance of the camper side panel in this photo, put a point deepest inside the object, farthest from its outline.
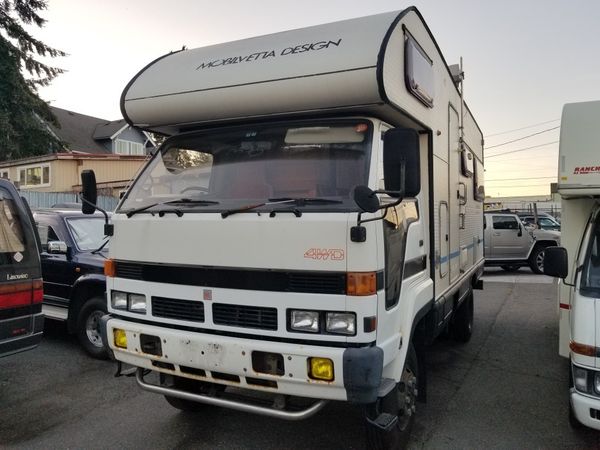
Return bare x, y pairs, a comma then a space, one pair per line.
457, 215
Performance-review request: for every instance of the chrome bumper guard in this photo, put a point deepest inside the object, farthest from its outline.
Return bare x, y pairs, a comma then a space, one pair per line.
237, 405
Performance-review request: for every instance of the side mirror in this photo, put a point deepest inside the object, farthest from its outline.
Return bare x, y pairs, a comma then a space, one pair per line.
401, 162
366, 199
89, 195
556, 262
57, 247
520, 232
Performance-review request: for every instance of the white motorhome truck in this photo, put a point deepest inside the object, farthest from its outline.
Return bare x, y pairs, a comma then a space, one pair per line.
579, 290
314, 219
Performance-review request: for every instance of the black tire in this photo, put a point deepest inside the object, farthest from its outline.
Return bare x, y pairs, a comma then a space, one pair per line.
461, 326
536, 259
510, 268
401, 401
88, 328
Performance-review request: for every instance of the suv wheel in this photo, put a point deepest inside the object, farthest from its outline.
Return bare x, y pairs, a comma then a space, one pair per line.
536, 260
88, 327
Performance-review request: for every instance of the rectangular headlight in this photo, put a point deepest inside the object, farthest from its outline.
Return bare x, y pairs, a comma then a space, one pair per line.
304, 321
118, 299
137, 303
341, 323
580, 379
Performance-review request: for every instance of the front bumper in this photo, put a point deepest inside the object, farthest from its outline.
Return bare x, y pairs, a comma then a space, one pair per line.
206, 357
586, 409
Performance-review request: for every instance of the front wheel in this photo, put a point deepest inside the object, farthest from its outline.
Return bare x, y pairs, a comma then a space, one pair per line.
88, 327
536, 260
400, 402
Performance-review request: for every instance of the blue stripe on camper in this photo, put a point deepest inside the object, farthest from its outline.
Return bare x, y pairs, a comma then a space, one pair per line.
452, 255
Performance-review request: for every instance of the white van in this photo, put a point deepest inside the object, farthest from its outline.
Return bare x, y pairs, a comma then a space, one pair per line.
314, 219
579, 290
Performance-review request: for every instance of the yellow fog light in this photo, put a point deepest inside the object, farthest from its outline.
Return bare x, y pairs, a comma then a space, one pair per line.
320, 369
120, 338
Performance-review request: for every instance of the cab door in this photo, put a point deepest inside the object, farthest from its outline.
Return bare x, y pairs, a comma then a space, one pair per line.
509, 239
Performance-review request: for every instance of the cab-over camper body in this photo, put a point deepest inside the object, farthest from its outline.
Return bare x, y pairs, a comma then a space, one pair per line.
267, 275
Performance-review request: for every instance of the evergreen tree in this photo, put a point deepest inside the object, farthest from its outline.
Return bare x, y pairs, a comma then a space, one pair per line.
23, 115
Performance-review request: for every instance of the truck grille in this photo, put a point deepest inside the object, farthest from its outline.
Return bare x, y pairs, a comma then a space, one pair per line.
132, 271
232, 278
245, 316
317, 283
178, 309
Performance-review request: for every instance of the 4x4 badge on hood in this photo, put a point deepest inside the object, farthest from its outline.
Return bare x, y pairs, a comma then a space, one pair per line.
334, 254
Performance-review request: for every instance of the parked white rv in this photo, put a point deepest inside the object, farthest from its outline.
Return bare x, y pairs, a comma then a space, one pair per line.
579, 291
314, 219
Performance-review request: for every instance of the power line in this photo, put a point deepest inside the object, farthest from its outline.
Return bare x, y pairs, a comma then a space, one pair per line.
522, 128
518, 186
522, 149
513, 179
524, 137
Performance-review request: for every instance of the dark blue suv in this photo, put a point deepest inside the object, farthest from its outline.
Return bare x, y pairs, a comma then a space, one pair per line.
73, 252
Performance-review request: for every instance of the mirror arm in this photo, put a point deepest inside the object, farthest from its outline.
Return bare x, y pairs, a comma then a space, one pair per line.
385, 210
579, 269
108, 227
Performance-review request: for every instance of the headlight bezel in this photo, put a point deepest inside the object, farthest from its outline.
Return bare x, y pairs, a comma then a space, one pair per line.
323, 319
128, 301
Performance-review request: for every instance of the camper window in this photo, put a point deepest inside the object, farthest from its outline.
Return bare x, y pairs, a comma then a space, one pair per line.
230, 167
478, 188
419, 71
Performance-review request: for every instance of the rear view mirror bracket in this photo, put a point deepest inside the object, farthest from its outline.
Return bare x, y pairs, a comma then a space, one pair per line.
89, 198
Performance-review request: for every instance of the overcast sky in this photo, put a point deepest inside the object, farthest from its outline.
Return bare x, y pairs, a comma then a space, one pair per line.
523, 59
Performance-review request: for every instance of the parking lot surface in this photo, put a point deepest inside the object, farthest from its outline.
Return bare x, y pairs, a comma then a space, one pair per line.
506, 388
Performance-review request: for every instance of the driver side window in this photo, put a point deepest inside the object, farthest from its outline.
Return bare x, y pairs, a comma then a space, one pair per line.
505, 223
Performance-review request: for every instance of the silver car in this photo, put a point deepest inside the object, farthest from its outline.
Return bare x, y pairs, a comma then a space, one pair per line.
510, 244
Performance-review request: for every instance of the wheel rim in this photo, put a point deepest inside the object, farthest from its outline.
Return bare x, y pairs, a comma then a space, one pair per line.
539, 261
407, 397
92, 328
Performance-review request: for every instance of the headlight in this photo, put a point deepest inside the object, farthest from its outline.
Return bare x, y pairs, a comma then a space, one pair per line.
137, 303
304, 321
580, 379
118, 300
341, 323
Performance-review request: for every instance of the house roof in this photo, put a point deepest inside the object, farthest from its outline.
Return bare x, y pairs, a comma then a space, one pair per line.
107, 129
81, 132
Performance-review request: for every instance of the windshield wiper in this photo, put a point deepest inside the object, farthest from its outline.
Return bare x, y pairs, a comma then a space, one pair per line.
305, 201
134, 211
279, 201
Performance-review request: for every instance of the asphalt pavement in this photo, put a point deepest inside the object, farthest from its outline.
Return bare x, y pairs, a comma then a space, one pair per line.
506, 388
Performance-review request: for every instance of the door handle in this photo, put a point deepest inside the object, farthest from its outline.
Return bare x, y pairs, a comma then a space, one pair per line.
496, 234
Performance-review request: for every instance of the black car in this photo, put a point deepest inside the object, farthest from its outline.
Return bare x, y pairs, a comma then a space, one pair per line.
73, 253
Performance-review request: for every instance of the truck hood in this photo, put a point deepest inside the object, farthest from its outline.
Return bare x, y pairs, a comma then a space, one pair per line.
314, 241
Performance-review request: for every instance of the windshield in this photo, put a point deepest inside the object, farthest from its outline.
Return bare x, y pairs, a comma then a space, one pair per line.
590, 276
232, 168
87, 232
